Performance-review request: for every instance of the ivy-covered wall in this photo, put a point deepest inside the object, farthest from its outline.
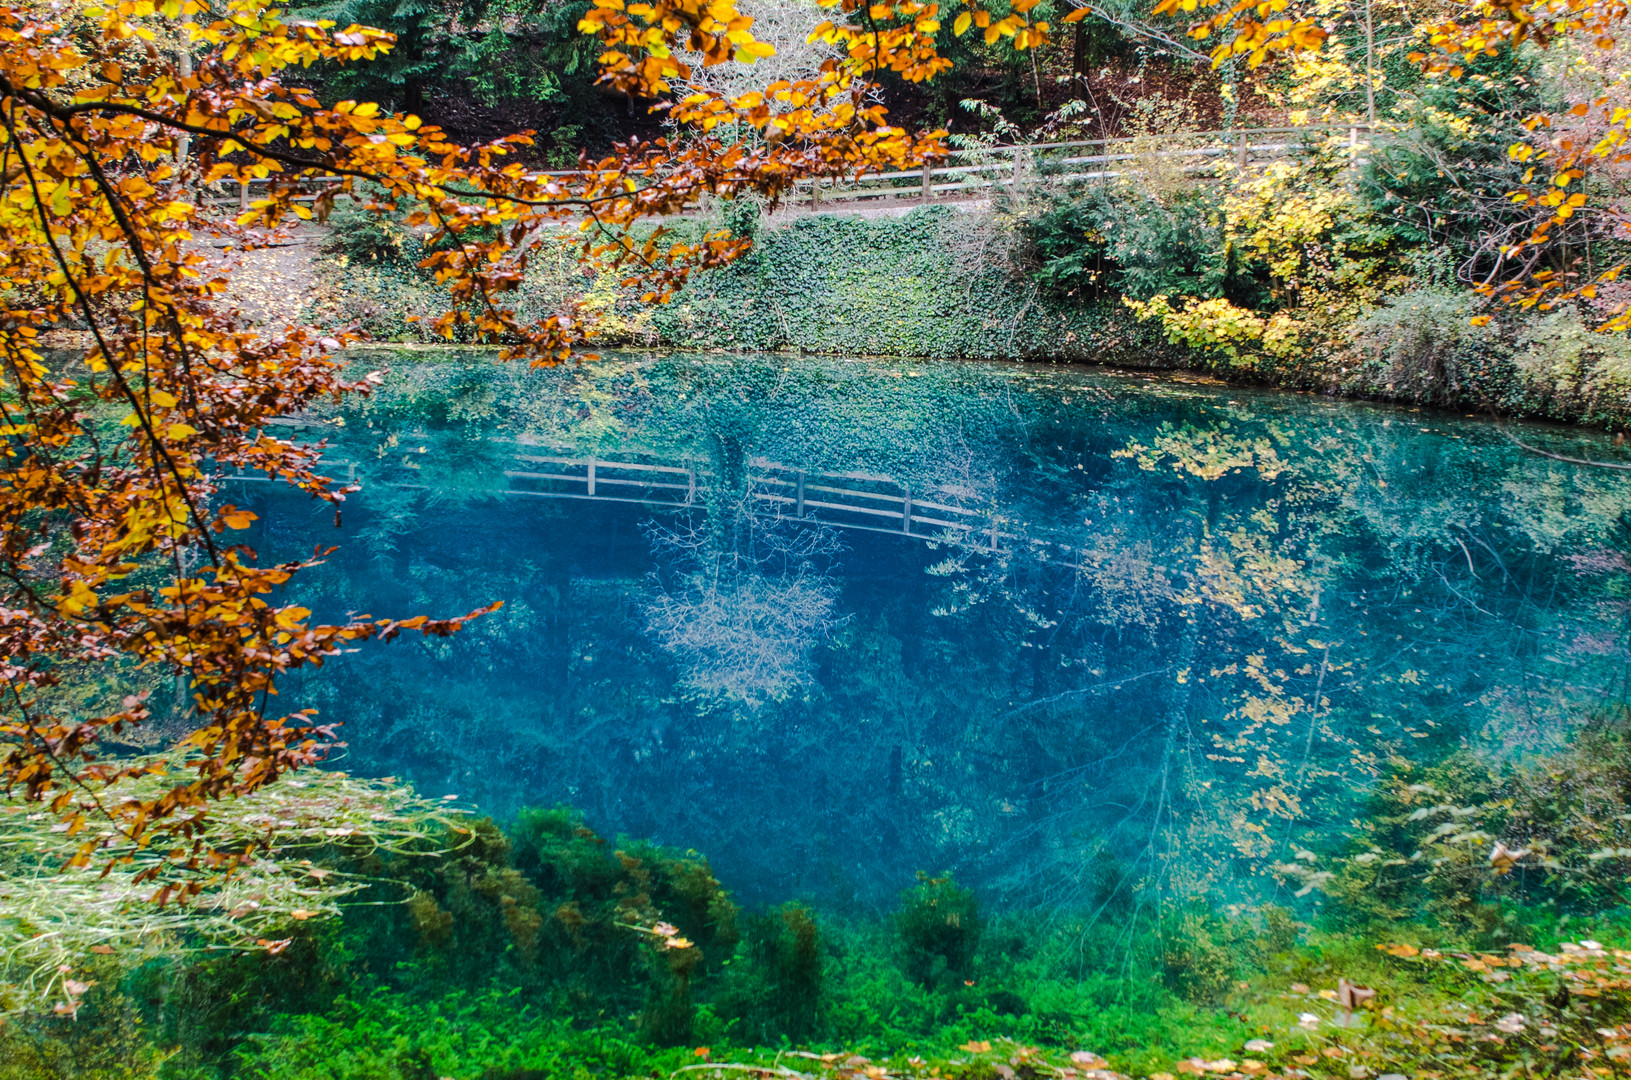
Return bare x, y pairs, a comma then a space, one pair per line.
934, 283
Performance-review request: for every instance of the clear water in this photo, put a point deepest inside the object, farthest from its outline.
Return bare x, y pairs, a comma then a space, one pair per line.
1177, 630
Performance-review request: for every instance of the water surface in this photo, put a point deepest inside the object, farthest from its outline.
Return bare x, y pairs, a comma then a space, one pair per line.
1129, 631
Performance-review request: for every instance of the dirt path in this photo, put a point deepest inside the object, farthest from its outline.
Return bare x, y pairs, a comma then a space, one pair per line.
272, 286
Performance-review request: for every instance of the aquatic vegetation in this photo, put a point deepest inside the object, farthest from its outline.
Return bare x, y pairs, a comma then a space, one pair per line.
939, 925
741, 604
542, 949
1475, 844
303, 841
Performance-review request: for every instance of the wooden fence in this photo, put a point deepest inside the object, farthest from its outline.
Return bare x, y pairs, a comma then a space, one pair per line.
983, 169
975, 171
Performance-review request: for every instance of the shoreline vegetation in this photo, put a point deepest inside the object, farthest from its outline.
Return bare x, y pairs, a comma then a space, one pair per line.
943, 283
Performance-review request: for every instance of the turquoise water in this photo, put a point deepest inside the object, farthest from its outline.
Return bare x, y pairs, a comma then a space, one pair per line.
1132, 633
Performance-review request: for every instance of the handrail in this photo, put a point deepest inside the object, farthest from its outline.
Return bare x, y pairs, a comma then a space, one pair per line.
1022, 164
1005, 148
1010, 165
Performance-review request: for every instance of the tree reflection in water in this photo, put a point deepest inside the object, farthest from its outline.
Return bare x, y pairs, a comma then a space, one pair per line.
741, 617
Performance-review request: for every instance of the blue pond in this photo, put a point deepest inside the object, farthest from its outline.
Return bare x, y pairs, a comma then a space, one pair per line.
831, 622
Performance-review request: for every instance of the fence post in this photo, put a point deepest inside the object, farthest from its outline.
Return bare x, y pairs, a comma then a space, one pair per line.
928, 188
591, 476
243, 196
906, 512
1019, 165
815, 194
1244, 150
801, 495
1353, 137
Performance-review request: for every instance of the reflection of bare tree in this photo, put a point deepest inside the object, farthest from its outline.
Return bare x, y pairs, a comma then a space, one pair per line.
741, 607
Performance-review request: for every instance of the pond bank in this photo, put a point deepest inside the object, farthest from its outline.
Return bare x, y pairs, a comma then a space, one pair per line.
940, 284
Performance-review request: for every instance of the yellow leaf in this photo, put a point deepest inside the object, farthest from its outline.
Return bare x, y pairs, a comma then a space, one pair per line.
961, 24
179, 431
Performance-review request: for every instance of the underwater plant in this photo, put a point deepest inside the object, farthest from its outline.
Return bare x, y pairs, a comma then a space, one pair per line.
939, 927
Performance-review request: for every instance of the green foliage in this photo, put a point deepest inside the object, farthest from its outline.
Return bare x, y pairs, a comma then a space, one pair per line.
521, 953
1137, 245
1204, 952
1443, 177
936, 282
501, 50
1421, 344
1200, 957
1567, 368
943, 283
396, 78
1071, 251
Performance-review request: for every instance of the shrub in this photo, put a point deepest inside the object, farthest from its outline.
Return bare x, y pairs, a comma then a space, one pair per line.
1489, 853
1420, 344
1120, 238
1199, 956
1574, 369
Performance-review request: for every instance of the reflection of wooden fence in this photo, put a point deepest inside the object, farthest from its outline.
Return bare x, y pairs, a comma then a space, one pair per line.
867, 501
604, 478
849, 500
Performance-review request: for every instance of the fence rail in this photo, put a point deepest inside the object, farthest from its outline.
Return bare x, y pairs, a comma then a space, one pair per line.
847, 500
971, 171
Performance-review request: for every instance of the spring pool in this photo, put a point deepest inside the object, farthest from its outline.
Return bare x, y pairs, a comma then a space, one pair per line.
1059, 631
